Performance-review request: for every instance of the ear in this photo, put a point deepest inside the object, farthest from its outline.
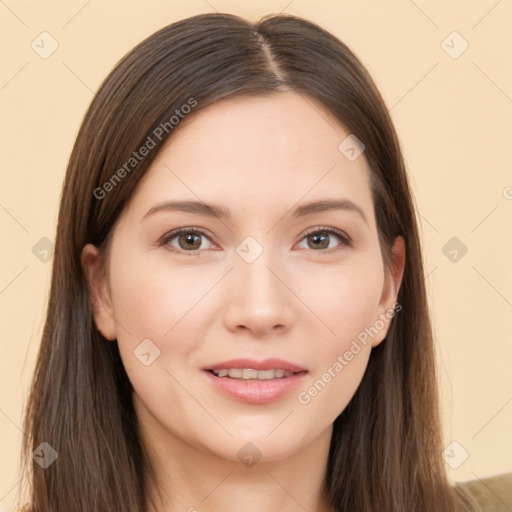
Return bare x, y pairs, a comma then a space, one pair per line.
99, 294
393, 279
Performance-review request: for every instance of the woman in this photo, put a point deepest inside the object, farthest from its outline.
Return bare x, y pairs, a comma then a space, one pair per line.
237, 315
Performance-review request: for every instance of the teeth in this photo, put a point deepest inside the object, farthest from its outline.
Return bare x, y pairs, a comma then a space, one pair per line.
250, 374
247, 374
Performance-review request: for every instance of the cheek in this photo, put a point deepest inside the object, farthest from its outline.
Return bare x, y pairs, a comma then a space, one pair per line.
150, 298
344, 298
147, 303
347, 302
167, 305
153, 302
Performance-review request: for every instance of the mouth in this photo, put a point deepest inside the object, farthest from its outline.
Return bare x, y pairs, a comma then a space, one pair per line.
255, 382
252, 369
251, 374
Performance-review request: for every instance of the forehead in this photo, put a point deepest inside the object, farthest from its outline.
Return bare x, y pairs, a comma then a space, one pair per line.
259, 154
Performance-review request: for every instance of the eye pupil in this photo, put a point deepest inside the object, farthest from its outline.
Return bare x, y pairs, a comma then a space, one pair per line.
322, 238
189, 241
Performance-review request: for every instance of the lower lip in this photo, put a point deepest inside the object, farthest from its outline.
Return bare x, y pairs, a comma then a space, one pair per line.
255, 391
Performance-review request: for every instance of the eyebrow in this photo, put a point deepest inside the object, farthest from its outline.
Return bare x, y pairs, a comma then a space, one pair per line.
213, 210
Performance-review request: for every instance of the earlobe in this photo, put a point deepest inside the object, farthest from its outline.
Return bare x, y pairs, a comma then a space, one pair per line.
99, 296
388, 306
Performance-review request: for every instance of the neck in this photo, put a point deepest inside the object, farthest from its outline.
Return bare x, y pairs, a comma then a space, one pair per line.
192, 479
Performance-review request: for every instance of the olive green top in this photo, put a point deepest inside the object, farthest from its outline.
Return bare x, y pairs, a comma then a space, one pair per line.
493, 494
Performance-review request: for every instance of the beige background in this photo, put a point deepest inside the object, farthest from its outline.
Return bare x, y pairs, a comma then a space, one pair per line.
454, 119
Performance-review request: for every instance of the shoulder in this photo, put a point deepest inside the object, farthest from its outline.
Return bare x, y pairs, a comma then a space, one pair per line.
492, 494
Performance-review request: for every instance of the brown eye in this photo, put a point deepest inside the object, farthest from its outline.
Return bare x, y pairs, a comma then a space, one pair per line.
321, 240
318, 240
189, 241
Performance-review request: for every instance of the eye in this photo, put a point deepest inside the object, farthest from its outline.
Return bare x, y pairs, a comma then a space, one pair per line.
320, 240
192, 240
189, 240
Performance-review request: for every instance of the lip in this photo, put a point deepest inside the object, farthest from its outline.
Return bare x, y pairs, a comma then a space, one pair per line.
266, 364
255, 391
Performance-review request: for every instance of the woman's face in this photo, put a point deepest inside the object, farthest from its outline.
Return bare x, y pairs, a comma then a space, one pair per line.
287, 276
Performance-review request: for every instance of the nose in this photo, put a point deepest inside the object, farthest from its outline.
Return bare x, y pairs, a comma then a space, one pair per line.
258, 299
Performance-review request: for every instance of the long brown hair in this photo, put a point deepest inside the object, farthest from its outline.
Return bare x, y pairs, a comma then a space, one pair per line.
385, 450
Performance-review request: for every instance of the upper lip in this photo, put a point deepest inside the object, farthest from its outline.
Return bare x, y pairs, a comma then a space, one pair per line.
266, 364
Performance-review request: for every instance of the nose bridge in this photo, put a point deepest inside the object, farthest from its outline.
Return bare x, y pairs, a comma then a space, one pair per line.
259, 298
255, 266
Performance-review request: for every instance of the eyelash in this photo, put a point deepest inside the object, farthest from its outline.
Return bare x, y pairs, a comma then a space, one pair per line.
343, 238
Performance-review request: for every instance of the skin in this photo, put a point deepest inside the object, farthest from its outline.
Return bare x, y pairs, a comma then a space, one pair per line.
260, 157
